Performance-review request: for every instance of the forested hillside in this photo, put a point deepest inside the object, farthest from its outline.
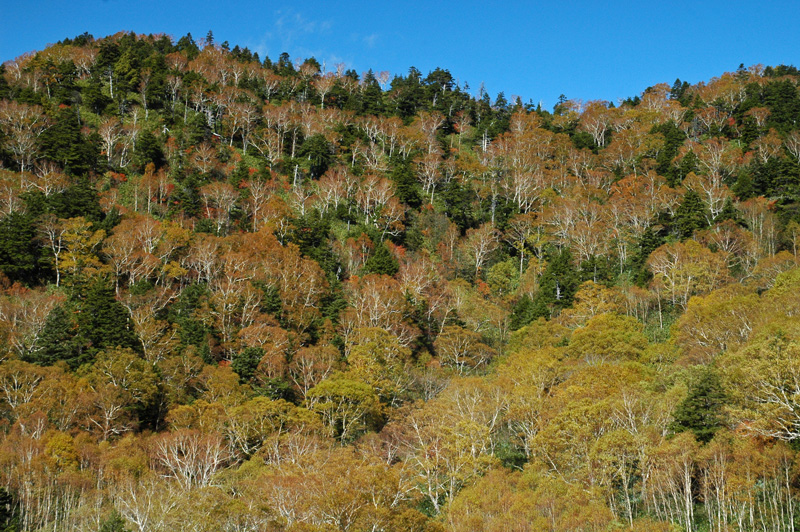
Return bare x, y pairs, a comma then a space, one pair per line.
252, 294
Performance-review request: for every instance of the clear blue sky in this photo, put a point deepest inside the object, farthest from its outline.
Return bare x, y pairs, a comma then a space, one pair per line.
537, 50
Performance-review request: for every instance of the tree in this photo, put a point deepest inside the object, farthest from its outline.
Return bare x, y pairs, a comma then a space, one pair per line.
80, 244
592, 299
60, 340
63, 144
376, 357
720, 321
318, 153
9, 514
691, 215
462, 349
190, 456
260, 420
615, 457
53, 230
528, 377
103, 322
220, 199
762, 379
684, 269
114, 523
245, 362
608, 337
25, 312
701, 410
670, 484
347, 407
595, 120
445, 449
503, 500
377, 301
557, 286
124, 386
521, 229
19, 252
23, 125
148, 502
478, 246
381, 261
312, 365
20, 384
712, 190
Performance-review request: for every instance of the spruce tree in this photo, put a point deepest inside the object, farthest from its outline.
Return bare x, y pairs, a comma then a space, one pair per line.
19, 249
381, 261
559, 282
114, 523
701, 410
690, 215
103, 321
59, 341
246, 361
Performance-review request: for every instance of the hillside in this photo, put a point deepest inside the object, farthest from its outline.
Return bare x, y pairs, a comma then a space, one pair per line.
243, 294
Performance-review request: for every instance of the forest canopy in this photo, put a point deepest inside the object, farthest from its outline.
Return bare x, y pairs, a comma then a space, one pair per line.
247, 294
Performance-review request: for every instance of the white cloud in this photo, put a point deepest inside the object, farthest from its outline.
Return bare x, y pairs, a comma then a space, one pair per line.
370, 40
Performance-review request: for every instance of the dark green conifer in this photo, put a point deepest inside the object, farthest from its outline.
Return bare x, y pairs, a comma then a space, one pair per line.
381, 261
701, 410
690, 216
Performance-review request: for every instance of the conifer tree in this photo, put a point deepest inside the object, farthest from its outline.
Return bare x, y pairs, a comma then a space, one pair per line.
701, 410
690, 215
381, 261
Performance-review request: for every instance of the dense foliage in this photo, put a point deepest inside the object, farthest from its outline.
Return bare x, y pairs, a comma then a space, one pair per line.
248, 295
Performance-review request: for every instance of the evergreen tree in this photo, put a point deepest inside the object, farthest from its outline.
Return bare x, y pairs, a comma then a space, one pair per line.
19, 250
114, 523
5, 89
649, 242
103, 321
148, 150
674, 137
689, 163
371, 96
458, 199
317, 153
782, 100
64, 144
381, 261
245, 362
557, 287
690, 216
187, 196
526, 310
310, 233
744, 188
406, 186
93, 96
9, 518
409, 94
79, 199
187, 44
183, 312
59, 340
701, 410
240, 174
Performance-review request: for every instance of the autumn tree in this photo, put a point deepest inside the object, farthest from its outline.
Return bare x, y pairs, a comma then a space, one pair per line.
462, 349
22, 124
347, 407
684, 269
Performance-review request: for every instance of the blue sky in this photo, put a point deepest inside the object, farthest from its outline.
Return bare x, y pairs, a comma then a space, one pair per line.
536, 50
